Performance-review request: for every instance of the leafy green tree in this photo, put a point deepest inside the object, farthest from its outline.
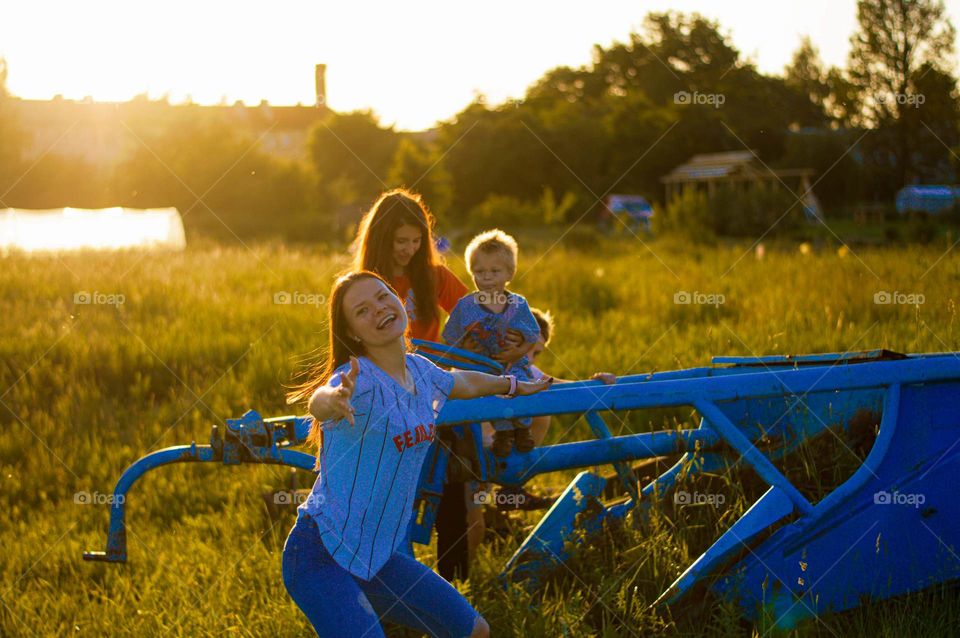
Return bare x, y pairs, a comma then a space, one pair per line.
839, 177
495, 151
843, 104
575, 139
683, 62
679, 87
219, 180
566, 84
419, 167
643, 141
617, 124
895, 39
351, 155
556, 211
806, 76
507, 212
674, 52
932, 126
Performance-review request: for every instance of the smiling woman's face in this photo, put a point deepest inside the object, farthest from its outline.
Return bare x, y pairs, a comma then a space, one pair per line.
406, 243
373, 313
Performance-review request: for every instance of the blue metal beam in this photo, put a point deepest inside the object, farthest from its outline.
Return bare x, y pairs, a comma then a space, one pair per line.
679, 392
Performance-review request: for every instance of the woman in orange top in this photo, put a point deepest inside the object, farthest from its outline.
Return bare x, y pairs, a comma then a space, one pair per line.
395, 240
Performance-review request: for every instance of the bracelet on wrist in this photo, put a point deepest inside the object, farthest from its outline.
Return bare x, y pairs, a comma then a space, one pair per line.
512, 391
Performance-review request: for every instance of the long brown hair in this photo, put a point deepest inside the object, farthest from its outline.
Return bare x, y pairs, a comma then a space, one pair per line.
341, 347
393, 209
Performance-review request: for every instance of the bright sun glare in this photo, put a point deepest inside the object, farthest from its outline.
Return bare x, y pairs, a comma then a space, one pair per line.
74, 229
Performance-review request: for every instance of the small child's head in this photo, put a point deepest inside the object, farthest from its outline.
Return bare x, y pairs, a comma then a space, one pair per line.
492, 260
545, 321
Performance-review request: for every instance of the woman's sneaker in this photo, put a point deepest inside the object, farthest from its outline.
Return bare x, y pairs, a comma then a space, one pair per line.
502, 443
523, 439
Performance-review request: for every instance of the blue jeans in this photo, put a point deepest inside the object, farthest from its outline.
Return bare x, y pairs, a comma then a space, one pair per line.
339, 604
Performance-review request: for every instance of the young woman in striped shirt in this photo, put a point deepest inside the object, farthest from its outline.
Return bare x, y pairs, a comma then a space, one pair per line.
375, 407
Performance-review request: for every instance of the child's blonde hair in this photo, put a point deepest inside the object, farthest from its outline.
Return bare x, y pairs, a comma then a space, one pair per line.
493, 241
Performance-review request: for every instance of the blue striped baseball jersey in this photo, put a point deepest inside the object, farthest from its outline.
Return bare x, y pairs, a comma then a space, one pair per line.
364, 494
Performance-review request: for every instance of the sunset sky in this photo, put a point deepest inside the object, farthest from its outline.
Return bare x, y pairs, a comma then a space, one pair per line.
413, 63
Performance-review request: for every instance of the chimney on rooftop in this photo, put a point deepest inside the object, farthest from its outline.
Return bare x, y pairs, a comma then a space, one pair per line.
320, 77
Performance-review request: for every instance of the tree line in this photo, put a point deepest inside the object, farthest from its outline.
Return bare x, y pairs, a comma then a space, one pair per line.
618, 124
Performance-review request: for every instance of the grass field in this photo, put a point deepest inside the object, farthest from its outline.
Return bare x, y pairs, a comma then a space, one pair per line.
171, 344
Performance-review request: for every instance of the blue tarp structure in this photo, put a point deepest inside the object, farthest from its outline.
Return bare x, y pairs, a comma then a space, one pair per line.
927, 199
636, 208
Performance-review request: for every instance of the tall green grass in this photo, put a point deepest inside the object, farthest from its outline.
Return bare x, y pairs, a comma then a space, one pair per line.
86, 389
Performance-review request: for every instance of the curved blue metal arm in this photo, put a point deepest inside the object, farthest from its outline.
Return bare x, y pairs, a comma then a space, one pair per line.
443, 354
249, 439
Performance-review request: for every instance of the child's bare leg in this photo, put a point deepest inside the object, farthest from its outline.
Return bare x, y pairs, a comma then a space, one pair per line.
539, 429
487, 429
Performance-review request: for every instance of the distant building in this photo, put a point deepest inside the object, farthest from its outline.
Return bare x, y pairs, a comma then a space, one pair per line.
738, 168
100, 132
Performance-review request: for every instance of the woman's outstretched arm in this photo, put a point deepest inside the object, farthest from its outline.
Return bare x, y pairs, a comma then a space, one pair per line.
470, 385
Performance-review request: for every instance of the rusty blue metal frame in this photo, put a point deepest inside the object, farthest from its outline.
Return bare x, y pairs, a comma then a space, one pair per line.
824, 556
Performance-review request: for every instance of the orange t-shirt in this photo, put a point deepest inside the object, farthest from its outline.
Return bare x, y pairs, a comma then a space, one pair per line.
449, 291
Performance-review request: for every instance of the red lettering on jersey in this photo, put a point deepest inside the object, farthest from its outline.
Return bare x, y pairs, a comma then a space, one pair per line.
419, 434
